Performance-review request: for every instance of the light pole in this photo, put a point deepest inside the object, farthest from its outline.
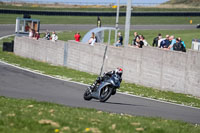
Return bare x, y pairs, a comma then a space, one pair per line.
128, 20
117, 20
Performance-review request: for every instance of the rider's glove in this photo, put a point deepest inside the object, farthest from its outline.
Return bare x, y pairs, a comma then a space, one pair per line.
99, 79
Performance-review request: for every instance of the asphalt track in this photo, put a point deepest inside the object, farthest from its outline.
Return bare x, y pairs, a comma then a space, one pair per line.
8, 29
19, 83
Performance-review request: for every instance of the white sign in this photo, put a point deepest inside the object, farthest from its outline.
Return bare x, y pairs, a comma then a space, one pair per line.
196, 45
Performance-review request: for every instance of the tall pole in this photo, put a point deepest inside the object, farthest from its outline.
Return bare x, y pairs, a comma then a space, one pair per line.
117, 20
128, 20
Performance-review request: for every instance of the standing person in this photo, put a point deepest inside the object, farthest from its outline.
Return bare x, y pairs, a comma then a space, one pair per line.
178, 46
37, 35
92, 39
77, 37
139, 43
54, 36
135, 37
144, 41
98, 22
120, 40
184, 49
47, 36
31, 34
155, 40
27, 27
165, 43
173, 41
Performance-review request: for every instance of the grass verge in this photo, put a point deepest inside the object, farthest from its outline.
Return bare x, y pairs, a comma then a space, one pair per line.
22, 116
87, 78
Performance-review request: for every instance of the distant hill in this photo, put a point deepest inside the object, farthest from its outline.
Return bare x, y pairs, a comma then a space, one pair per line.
184, 2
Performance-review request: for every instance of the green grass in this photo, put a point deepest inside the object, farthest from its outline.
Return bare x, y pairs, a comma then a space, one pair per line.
29, 116
11, 19
88, 78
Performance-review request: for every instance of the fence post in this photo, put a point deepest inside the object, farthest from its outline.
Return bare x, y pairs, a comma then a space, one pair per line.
65, 54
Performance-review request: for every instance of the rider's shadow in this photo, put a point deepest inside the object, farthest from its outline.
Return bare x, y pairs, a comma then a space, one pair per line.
118, 103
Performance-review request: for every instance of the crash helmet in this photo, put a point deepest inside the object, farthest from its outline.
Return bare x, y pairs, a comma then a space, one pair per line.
119, 71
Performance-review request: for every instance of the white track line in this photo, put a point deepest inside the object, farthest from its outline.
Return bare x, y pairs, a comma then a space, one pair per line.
6, 36
35, 72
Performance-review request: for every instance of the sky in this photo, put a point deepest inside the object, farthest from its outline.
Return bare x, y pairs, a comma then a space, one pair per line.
145, 2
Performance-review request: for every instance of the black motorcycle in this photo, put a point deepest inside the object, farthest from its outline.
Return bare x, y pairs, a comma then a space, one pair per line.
103, 90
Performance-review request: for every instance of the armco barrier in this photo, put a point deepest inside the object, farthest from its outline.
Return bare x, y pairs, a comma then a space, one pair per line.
153, 67
91, 13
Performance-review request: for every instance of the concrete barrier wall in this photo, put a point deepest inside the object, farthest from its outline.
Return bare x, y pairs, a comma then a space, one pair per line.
192, 74
153, 67
85, 57
42, 50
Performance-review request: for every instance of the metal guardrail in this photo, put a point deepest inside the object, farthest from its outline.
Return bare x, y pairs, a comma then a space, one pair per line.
72, 13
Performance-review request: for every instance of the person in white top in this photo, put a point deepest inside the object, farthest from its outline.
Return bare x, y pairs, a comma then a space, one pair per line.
54, 37
92, 39
30, 33
144, 41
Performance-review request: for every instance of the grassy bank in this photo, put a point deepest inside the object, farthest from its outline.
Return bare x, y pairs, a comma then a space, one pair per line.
11, 19
87, 78
28, 116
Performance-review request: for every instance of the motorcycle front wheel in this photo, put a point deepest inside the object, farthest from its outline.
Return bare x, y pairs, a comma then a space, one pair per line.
87, 95
105, 94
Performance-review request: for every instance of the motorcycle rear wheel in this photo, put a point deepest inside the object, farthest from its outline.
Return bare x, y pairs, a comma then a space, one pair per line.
87, 95
105, 94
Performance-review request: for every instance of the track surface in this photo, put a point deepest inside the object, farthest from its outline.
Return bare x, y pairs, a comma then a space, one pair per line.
7, 29
19, 83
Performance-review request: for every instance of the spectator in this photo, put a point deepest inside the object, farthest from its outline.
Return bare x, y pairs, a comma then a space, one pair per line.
182, 42
160, 40
155, 40
31, 33
173, 41
144, 41
77, 37
54, 36
165, 43
98, 22
178, 46
135, 37
120, 40
139, 43
27, 28
47, 36
37, 35
92, 39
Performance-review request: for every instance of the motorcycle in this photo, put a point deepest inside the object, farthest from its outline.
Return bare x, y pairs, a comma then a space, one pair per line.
103, 90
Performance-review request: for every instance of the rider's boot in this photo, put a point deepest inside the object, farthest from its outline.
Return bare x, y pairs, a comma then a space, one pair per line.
91, 87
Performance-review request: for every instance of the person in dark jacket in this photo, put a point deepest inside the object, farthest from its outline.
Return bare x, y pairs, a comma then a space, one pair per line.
178, 46
136, 36
165, 43
155, 40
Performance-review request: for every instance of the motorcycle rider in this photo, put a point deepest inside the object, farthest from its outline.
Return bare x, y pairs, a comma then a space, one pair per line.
118, 71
